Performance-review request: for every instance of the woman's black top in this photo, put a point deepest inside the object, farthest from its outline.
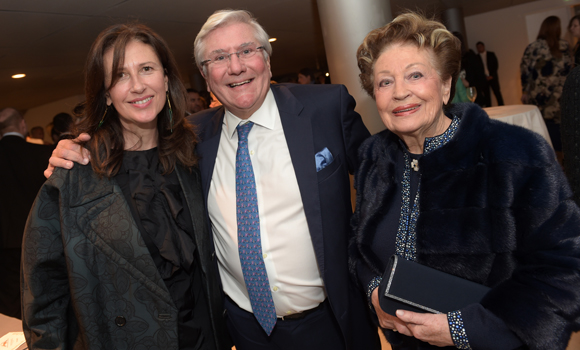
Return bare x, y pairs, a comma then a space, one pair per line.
159, 207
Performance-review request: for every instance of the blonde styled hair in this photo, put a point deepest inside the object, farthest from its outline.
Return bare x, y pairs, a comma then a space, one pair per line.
411, 28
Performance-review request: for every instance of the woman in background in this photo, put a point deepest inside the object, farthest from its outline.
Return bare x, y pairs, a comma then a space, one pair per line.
117, 254
571, 130
574, 29
545, 64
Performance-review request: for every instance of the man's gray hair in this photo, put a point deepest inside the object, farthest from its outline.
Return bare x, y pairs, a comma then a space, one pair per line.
223, 18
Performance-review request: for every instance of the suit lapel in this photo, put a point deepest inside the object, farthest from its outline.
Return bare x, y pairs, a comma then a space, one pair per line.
300, 139
194, 197
208, 147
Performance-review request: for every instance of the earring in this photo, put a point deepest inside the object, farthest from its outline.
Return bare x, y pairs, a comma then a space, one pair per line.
102, 119
170, 113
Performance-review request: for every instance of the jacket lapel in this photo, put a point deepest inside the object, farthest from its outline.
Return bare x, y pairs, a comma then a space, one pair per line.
190, 183
208, 147
140, 261
299, 137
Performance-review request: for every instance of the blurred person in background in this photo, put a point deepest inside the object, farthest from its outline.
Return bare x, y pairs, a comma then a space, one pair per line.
195, 102
574, 30
21, 167
545, 64
62, 127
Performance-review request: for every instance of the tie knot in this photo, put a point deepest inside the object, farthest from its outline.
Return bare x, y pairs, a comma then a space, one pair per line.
244, 130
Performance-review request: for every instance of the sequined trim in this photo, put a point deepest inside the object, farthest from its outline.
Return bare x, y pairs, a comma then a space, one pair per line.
406, 240
433, 143
374, 283
457, 329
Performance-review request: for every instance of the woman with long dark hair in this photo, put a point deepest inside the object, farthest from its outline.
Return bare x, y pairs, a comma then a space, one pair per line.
117, 254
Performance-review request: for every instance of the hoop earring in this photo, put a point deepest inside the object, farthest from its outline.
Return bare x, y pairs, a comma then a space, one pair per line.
170, 113
102, 119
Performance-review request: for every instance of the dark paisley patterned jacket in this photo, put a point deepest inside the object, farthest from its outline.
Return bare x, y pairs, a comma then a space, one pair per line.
88, 280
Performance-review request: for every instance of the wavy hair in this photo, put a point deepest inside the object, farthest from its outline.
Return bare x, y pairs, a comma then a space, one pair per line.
107, 142
411, 28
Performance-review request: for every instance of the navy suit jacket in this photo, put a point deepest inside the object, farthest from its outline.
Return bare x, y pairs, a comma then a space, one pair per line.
22, 167
315, 117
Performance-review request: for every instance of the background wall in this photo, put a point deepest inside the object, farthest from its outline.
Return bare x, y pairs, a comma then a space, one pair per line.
505, 32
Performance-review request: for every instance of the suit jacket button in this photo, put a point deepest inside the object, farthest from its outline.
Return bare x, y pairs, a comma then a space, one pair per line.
213, 256
120, 321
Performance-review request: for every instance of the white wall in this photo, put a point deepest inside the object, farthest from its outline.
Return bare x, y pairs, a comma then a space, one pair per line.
505, 32
42, 115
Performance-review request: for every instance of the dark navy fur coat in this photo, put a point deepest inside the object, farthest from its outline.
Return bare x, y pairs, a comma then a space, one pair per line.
496, 209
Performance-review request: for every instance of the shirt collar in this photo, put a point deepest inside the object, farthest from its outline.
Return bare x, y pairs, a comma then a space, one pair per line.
13, 133
265, 116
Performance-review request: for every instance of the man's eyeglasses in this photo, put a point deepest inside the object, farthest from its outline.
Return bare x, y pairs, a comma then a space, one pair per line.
220, 59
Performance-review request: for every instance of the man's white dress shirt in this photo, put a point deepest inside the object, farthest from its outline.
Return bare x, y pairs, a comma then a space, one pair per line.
483, 56
287, 248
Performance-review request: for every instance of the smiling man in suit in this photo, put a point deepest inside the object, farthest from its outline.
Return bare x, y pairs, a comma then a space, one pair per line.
302, 144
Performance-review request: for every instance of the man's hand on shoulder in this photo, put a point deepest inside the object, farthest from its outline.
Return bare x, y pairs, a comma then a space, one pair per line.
68, 152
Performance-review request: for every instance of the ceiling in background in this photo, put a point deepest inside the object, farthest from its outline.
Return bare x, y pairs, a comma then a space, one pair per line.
48, 40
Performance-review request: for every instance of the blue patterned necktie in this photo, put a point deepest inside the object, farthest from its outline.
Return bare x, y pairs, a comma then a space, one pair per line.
249, 244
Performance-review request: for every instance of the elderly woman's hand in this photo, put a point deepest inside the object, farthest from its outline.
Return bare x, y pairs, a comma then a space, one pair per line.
430, 328
385, 320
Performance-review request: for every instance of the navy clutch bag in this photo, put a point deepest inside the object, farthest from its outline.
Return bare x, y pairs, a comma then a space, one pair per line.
408, 285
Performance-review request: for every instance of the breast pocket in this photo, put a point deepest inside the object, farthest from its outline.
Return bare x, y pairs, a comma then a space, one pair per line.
330, 169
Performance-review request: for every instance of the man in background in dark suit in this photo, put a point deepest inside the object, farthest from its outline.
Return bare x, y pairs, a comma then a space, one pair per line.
21, 176
490, 64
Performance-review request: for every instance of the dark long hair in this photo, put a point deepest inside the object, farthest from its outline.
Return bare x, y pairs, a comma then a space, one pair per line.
107, 142
551, 30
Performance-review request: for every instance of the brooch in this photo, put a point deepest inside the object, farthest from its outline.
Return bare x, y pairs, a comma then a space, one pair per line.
415, 164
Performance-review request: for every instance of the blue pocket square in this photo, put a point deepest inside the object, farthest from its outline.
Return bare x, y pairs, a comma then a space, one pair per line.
323, 159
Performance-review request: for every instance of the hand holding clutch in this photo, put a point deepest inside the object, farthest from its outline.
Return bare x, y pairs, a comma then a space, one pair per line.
387, 321
408, 285
430, 328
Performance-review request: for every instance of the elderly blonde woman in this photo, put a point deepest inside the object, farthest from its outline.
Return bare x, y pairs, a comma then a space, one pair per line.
450, 189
